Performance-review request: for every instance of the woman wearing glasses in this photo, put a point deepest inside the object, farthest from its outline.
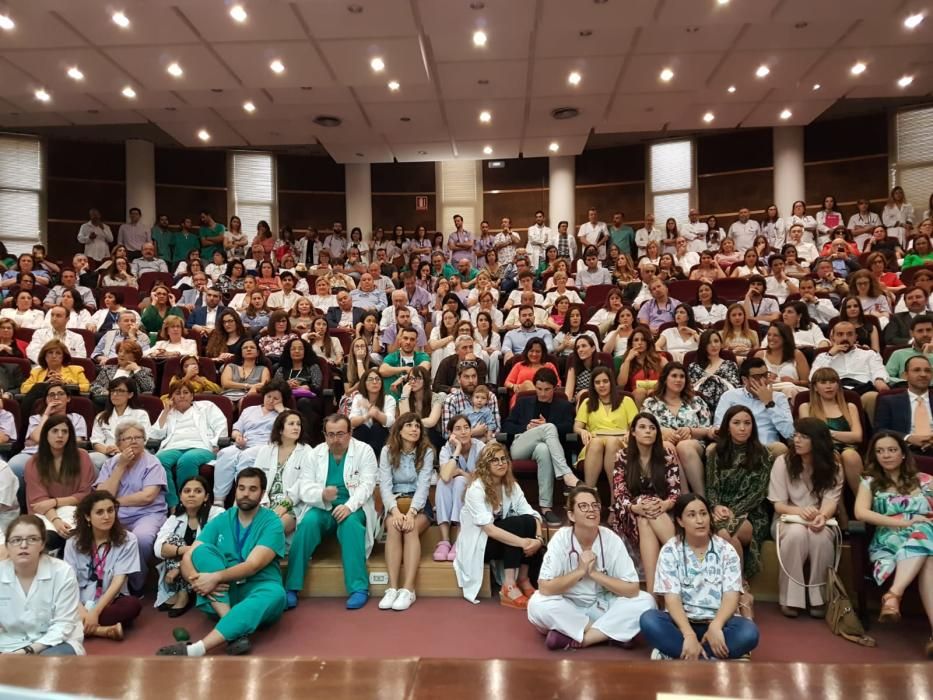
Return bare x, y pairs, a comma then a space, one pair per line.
103, 554
40, 594
496, 523
588, 586
121, 405
138, 481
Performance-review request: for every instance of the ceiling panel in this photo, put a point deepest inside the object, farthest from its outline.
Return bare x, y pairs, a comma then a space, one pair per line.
833, 11
787, 67
726, 115
408, 122
37, 29
350, 60
890, 31
250, 62
541, 123
690, 72
423, 92
710, 12
13, 81
643, 111
550, 77
14, 120
786, 35
151, 23
568, 145
333, 20
144, 99
325, 94
186, 133
50, 67
466, 80
359, 152
463, 117
201, 70
266, 21
98, 117
451, 23
588, 28
475, 150
225, 98
766, 113
688, 38
883, 65
276, 132
422, 151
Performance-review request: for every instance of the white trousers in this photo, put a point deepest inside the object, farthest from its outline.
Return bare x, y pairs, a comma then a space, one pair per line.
620, 622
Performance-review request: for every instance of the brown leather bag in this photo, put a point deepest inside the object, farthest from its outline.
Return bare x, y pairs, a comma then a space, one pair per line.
840, 616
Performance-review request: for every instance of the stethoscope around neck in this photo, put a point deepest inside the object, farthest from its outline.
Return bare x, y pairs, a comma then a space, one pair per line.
574, 553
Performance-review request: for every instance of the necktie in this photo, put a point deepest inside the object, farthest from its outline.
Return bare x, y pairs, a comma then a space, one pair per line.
922, 418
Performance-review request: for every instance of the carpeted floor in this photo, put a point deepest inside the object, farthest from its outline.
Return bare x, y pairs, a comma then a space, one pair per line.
448, 627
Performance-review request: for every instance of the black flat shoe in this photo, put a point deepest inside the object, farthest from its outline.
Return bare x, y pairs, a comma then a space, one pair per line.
178, 612
165, 606
179, 649
238, 646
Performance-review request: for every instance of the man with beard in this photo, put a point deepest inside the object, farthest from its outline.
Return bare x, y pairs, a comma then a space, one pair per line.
233, 567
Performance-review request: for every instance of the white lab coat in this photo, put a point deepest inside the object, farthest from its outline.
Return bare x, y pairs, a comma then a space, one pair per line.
174, 525
471, 544
210, 420
47, 614
538, 239
586, 601
359, 474
267, 459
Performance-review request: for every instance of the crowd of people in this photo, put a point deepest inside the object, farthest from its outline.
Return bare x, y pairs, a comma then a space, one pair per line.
725, 383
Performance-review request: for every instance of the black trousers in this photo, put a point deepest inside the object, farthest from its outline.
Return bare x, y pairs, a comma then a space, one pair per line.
375, 436
513, 557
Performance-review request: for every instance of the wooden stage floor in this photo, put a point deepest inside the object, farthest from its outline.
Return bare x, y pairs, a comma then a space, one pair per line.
455, 679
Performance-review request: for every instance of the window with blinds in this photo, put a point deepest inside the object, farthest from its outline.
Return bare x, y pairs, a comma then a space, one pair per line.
252, 177
672, 180
460, 192
914, 168
21, 193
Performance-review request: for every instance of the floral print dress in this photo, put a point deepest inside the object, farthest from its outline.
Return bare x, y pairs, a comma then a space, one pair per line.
891, 545
711, 387
694, 413
621, 517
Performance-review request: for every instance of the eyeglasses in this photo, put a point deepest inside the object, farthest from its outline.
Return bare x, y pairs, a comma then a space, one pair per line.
336, 436
56, 395
119, 391
132, 438
20, 541
498, 460
587, 507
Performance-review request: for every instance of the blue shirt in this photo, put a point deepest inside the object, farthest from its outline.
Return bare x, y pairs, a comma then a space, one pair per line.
774, 424
516, 339
405, 478
369, 300
255, 425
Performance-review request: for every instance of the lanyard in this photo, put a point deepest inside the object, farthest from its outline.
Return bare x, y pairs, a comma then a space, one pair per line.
240, 535
99, 562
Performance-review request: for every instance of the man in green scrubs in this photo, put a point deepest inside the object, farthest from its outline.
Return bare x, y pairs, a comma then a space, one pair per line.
338, 485
212, 236
164, 238
233, 567
185, 241
622, 235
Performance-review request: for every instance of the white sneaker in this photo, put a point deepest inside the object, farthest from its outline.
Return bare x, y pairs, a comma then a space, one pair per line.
404, 600
656, 655
388, 598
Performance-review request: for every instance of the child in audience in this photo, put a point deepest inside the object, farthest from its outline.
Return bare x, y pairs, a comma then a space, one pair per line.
481, 412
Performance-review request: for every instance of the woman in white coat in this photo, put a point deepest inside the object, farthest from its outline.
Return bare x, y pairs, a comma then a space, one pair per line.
496, 523
588, 586
335, 488
175, 537
282, 460
40, 597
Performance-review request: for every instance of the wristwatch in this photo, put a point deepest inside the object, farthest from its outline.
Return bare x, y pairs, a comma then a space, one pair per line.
770, 404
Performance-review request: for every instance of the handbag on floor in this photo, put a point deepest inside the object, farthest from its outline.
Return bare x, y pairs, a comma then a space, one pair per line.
840, 616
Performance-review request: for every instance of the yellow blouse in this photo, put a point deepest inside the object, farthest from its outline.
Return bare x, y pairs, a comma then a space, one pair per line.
71, 374
604, 420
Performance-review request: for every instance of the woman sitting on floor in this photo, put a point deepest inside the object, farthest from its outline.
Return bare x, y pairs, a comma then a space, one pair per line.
103, 555
457, 463
588, 586
497, 523
405, 467
176, 535
40, 595
700, 577
898, 501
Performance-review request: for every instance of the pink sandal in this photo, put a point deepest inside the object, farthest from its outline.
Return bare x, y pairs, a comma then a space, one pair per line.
441, 550
452, 554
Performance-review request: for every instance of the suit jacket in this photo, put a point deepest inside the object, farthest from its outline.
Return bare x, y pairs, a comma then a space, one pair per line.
897, 332
523, 412
892, 412
190, 296
446, 377
334, 313
198, 317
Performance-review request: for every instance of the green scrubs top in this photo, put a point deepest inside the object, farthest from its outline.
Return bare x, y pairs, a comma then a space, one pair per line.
234, 542
182, 244
208, 249
335, 478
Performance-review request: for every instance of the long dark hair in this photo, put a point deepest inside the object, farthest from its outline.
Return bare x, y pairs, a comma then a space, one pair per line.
70, 471
381, 398
825, 466
427, 392
680, 505
530, 344
394, 441
753, 452
578, 364
803, 312
217, 340
205, 510
275, 437
651, 360
657, 465
907, 479
285, 362
127, 383
592, 398
84, 533
702, 358
660, 389
789, 346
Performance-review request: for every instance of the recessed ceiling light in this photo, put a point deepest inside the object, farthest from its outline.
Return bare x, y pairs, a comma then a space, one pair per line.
75, 73
404, 119
175, 70
722, 2
487, 150
600, 2
574, 78
762, 71
914, 20
377, 64
692, 30
858, 68
730, 89
360, 155
42, 95
905, 80
801, 25
249, 107
6, 23
477, 5
709, 116
816, 86
482, 81
667, 75
479, 38
128, 92
204, 135
585, 32
485, 117
277, 66
120, 19
786, 114
422, 153
238, 13
355, 9
553, 147
393, 85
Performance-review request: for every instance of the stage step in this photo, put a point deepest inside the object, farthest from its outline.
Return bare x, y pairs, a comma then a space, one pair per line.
435, 579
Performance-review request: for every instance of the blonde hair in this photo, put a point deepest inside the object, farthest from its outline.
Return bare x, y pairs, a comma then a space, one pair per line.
483, 474
817, 408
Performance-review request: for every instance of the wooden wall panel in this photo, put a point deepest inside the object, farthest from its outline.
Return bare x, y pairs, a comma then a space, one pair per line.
727, 192
628, 198
81, 159
734, 150
621, 164
392, 209
179, 202
518, 205
195, 167
302, 210
843, 138
417, 178
310, 173
847, 180
518, 173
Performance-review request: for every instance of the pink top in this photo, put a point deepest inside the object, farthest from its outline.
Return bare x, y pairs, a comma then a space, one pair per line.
521, 372
36, 490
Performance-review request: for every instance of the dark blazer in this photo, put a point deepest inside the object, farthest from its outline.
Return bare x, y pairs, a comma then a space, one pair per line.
523, 412
892, 412
446, 377
334, 313
897, 332
198, 317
